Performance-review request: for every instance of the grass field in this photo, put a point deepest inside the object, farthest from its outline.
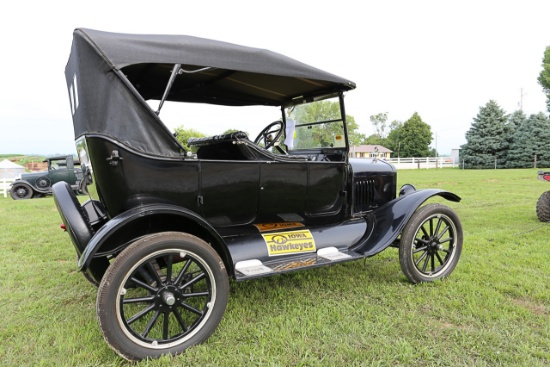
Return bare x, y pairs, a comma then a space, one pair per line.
494, 310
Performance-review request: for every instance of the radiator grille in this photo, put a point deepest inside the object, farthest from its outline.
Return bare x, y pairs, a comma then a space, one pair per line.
364, 195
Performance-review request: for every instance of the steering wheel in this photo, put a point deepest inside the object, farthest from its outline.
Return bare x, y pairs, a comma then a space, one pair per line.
266, 138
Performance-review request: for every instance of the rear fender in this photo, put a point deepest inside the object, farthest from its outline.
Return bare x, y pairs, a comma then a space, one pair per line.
122, 230
388, 221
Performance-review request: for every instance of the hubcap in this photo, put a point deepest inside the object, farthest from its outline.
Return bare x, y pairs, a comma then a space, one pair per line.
168, 298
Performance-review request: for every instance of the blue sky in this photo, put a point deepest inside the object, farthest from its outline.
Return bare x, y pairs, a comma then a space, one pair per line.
442, 59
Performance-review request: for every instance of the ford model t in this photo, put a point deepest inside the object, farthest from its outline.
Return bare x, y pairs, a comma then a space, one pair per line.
166, 226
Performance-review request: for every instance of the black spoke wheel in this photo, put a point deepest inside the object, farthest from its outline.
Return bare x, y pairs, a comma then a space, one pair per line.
21, 191
161, 295
543, 207
431, 244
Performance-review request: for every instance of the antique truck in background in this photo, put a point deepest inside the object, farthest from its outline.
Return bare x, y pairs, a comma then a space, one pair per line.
38, 184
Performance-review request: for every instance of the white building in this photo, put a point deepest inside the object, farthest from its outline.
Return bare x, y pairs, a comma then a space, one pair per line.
10, 170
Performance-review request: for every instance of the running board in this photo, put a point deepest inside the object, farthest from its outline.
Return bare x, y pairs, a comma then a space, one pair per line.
254, 268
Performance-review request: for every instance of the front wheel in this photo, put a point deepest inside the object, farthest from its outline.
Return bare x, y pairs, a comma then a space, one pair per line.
161, 295
543, 207
431, 244
21, 191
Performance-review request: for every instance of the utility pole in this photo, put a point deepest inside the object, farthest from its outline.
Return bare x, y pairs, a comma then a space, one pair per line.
521, 94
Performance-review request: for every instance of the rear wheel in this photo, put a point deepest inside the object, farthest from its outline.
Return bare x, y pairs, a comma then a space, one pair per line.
431, 244
21, 191
161, 295
543, 207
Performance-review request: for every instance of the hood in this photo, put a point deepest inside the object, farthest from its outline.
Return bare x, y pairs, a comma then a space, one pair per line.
370, 166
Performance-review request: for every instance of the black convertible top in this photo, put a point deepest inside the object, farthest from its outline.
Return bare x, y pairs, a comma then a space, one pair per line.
111, 75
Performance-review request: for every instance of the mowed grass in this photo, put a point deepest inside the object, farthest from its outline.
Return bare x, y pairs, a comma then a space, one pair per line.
494, 310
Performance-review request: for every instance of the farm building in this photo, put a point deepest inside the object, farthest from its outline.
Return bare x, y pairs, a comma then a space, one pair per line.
370, 151
10, 170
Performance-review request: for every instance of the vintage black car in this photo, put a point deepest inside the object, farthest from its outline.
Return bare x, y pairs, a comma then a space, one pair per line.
166, 227
38, 184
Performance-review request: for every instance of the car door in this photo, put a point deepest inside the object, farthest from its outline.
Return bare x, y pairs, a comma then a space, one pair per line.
326, 185
283, 190
229, 191
61, 170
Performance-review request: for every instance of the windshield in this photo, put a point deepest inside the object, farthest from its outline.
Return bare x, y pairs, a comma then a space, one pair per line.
315, 125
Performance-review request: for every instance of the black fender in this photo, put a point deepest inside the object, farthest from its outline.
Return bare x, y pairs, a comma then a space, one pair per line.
25, 182
33, 187
73, 215
387, 221
137, 222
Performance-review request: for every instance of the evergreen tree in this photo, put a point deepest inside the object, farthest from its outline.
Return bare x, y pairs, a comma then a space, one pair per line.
488, 138
415, 137
541, 131
518, 123
532, 137
515, 120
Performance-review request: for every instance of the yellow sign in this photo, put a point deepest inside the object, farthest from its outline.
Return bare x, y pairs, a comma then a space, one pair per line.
266, 227
293, 242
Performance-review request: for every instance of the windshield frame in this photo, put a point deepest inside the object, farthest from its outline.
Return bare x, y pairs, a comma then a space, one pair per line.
339, 97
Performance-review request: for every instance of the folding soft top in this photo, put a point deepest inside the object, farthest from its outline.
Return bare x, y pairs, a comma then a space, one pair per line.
111, 75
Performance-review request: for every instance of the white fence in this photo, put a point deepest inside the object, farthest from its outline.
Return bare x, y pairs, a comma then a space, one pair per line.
424, 162
5, 186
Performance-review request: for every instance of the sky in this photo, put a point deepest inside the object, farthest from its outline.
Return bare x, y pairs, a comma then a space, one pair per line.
441, 59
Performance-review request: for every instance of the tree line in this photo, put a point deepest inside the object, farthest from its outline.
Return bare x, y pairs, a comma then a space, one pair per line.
498, 140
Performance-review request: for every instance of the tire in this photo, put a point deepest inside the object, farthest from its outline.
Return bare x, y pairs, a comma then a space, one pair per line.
431, 244
161, 295
20, 191
543, 207
43, 183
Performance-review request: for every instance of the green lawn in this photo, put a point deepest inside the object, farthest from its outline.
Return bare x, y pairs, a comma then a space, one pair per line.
494, 310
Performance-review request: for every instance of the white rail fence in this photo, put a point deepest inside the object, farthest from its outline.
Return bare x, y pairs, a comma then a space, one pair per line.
424, 162
5, 186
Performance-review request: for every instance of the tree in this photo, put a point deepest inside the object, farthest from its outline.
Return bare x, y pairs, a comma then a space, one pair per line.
515, 120
182, 135
374, 139
488, 139
393, 140
415, 137
544, 76
531, 138
379, 123
325, 111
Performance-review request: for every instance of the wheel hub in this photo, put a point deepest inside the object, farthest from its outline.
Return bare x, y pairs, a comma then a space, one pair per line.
433, 247
168, 298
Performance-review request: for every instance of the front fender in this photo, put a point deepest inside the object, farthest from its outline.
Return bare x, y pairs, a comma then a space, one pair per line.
388, 221
125, 228
33, 187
